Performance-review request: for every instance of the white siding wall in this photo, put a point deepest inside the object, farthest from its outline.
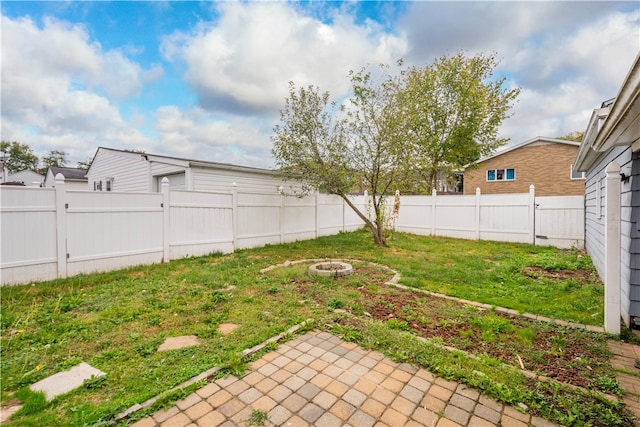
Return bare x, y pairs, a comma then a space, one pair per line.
595, 223
209, 179
130, 171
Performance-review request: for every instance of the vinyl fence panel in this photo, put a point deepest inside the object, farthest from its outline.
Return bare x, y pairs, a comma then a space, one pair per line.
108, 230
27, 234
560, 221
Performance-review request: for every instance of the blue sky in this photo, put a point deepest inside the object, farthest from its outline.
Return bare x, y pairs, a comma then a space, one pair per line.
206, 80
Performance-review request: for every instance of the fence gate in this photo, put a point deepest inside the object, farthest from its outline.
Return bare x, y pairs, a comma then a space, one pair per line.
559, 221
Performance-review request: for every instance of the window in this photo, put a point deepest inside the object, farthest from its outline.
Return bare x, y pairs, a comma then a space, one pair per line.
577, 175
109, 182
508, 174
97, 185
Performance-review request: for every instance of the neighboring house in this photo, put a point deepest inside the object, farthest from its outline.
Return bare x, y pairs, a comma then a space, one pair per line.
74, 178
117, 170
610, 156
544, 162
27, 177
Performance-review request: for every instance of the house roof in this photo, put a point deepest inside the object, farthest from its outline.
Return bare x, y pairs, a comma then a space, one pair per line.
178, 161
70, 174
616, 123
537, 139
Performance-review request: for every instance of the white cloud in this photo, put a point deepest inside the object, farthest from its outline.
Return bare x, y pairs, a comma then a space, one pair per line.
198, 134
58, 88
244, 61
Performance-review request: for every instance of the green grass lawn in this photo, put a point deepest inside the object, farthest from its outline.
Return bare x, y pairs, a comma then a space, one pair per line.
115, 321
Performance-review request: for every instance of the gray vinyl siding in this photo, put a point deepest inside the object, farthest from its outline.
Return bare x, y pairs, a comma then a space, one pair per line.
129, 171
634, 233
594, 226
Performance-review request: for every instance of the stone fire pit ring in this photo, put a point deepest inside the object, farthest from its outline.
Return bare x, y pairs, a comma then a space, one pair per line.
331, 269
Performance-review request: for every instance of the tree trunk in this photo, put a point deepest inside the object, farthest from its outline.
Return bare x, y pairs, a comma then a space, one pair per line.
376, 230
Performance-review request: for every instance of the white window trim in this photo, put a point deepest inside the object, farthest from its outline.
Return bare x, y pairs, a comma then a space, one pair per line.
486, 175
583, 177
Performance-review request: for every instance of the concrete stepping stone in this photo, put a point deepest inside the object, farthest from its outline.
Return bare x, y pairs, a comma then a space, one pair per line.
174, 343
227, 328
66, 381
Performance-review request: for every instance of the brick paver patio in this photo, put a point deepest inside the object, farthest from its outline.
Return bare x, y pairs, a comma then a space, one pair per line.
320, 380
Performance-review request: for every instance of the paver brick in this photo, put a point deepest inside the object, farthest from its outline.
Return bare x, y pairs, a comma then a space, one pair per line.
487, 413
212, 419
198, 410
251, 379
237, 387
337, 388
324, 399
404, 406
412, 393
467, 391
342, 410
293, 366
507, 421
333, 371
348, 378
456, 414
432, 403
426, 375
401, 375
163, 415
383, 395
279, 393
392, 385
327, 420
365, 386
294, 402
376, 377
490, 403
373, 408
367, 362
449, 385
282, 360
354, 397
219, 398
266, 385
207, 390
308, 391
383, 368
425, 417
440, 392
311, 412
462, 402
321, 380
343, 363
294, 383
249, 396
445, 422
279, 415
226, 381
296, 421
232, 407
393, 418
268, 369
188, 401
178, 420
329, 357
479, 422
361, 419
359, 370
319, 365
265, 403
514, 413
305, 359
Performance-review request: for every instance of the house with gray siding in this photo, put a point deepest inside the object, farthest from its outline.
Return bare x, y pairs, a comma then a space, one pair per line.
610, 156
74, 178
126, 171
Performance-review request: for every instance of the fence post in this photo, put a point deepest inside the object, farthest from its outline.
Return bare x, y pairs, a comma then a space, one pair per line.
433, 211
166, 220
532, 214
478, 213
317, 213
234, 214
61, 225
281, 191
612, 244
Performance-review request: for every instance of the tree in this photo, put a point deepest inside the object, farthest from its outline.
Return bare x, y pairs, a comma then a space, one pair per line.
55, 158
338, 149
85, 164
20, 156
573, 136
451, 111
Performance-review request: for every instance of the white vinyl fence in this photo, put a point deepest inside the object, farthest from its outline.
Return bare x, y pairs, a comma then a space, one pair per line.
48, 233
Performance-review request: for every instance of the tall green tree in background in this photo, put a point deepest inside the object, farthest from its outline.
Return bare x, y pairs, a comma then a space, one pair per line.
451, 112
395, 131
19, 156
54, 158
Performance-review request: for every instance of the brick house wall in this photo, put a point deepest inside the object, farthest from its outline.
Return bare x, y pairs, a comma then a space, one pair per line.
546, 165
